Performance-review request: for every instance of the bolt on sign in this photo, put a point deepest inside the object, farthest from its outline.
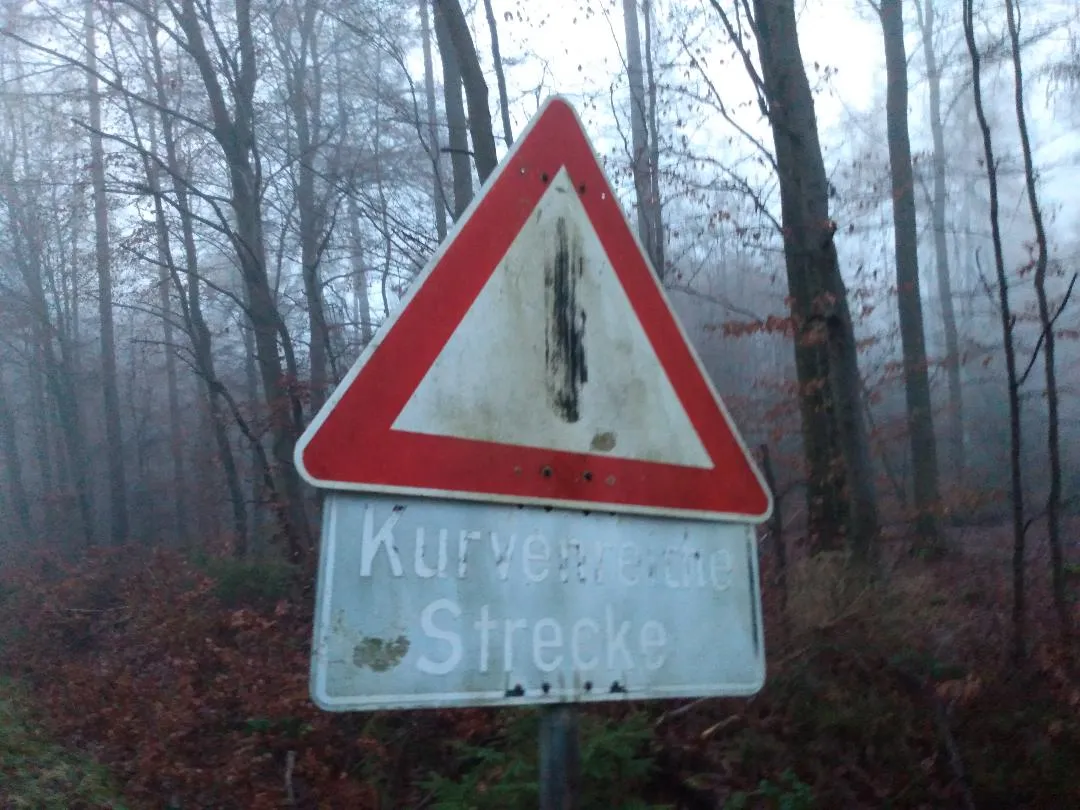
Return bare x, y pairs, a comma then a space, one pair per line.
534, 492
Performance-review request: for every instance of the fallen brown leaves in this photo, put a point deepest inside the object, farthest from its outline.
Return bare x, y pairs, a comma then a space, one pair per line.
900, 697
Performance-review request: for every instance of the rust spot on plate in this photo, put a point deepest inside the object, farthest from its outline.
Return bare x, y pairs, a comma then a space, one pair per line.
603, 442
380, 654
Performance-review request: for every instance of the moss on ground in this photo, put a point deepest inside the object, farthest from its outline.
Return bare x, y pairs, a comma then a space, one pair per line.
36, 773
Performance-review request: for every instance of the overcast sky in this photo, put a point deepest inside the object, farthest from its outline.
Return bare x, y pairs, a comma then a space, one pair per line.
581, 53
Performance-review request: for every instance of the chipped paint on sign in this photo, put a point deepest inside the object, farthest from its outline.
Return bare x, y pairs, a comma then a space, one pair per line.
426, 603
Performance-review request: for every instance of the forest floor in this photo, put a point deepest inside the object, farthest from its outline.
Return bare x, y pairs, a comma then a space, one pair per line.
37, 774
187, 679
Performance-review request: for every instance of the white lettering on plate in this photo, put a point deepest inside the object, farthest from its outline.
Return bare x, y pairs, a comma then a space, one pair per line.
545, 644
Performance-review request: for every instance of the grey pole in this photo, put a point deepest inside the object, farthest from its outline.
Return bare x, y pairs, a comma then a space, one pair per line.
560, 758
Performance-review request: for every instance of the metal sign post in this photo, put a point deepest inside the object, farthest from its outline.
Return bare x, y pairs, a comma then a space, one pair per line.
535, 494
560, 758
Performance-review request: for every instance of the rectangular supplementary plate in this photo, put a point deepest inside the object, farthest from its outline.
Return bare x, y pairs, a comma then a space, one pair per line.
427, 603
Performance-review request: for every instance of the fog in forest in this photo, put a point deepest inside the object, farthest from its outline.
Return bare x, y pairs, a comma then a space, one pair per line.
207, 210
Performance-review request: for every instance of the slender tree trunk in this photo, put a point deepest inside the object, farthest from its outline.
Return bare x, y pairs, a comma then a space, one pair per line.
476, 91
176, 434
57, 371
639, 134
113, 433
656, 213
42, 450
63, 389
304, 98
1019, 643
361, 293
957, 454
456, 122
432, 122
384, 206
500, 75
360, 277
906, 236
13, 469
1053, 440
191, 302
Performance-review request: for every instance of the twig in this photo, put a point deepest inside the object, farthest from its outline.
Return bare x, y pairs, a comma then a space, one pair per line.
680, 711
1049, 326
956, 762
290, 764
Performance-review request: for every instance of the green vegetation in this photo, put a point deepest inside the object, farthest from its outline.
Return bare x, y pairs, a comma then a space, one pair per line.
249, 583
615, 767
38, 775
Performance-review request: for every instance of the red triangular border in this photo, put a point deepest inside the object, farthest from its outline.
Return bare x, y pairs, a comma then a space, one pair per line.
350, 444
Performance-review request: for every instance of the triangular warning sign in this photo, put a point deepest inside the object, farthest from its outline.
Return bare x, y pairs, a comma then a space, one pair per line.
537, 360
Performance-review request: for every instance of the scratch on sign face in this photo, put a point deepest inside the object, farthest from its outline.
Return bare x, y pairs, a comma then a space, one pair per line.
565, 340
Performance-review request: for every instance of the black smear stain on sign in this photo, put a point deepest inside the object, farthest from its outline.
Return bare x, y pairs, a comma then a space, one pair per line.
564, 350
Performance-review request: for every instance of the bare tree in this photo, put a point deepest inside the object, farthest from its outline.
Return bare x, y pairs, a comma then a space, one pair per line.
303, 86
432, 120
640, 140
472, 77
500, 74
456, 122
906, 239
927, 17
1046, 336
841, 496
13, 466
1008, 322
659, 235
234, 130
113, 432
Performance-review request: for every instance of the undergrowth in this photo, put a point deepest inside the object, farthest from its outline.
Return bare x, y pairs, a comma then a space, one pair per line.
502, 772
37, 774
188, 679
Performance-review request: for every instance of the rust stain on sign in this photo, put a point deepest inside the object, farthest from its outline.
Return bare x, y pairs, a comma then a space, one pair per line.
603, 442
564, 350
380, 655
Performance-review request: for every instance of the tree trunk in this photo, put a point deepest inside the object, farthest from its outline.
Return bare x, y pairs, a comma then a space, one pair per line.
113, 434
656, 213
476, 91
176, 434
43, 454
639, 135
235, 134
841, 494
456, 122
500, 75
1019, 641
939, 203
13, 469
191, 302
55, 363
432, 122
360, 277
1046, 322
257, 481
906, 241
304, 98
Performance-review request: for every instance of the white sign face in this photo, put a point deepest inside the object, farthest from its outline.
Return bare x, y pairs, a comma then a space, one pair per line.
492, 381
425, 603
